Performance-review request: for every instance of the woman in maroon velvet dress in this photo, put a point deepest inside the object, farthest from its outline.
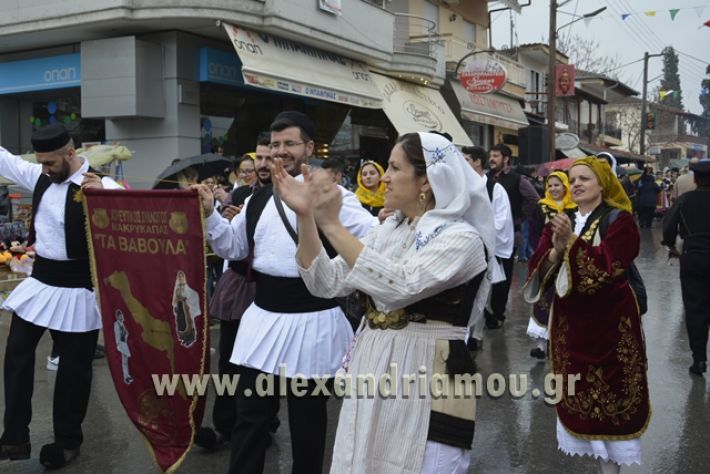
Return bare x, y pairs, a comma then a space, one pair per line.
596, 337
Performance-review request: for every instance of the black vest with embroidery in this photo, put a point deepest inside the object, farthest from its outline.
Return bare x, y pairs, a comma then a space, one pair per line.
74, 273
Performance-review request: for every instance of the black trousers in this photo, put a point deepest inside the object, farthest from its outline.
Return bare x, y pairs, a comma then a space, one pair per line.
499, 291
224, 412
71, 388
645, 214
307, 420
695, 286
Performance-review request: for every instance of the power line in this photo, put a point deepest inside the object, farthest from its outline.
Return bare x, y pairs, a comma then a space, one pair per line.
623, 65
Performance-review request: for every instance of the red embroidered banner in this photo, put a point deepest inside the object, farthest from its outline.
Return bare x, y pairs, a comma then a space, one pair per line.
148, 264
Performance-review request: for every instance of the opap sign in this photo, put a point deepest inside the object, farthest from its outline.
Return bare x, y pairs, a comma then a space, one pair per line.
483, 76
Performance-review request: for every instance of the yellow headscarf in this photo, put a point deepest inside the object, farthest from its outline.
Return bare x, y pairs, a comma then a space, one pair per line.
551, 202
251, 155
613, 193
367, 197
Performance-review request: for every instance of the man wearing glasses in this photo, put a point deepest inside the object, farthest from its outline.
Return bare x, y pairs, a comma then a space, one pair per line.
286, 329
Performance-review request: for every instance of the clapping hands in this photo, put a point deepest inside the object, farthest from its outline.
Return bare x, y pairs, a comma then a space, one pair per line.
317, 195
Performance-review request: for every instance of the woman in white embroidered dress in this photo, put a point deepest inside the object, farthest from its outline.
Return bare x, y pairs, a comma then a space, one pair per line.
431, 254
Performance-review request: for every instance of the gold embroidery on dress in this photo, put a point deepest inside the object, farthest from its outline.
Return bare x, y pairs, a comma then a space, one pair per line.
599, 401
591, 277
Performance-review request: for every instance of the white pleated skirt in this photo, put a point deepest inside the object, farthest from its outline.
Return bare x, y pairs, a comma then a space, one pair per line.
53, 307
306, 344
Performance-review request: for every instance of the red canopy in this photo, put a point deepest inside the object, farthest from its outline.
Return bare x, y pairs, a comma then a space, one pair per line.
546, 168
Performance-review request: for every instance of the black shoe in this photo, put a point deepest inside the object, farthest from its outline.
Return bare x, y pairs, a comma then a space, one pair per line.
473, 344
15, 452
52, 456
100, 352
209, 439
494, 323
699, 367
538, 353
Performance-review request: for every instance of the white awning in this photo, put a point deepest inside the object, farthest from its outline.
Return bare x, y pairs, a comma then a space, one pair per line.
287, 66
491, 109
413, 108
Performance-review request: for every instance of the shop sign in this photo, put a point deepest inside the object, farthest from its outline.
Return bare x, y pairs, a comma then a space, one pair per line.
564, 80
220, 67
566, 141
40, 74
288, 66
484, 76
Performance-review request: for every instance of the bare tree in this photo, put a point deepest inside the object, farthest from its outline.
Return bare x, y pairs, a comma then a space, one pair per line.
628, 120
585, 55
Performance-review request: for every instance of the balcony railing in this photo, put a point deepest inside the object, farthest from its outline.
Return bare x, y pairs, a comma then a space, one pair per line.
653, 138
415, 35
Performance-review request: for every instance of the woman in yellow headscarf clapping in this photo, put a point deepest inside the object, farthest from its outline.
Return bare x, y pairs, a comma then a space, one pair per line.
370, 187
557, 199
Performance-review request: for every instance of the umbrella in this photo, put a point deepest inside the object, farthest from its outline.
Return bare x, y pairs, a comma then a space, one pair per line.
546, 168
206, 165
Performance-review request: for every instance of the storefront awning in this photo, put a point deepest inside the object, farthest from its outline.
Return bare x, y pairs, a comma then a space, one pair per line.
286, 66
491, 109
413, 108
621, 156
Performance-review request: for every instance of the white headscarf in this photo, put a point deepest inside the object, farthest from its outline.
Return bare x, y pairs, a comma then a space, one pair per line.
461, 198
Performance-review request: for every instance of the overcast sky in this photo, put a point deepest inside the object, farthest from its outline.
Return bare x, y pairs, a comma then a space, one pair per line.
629, 39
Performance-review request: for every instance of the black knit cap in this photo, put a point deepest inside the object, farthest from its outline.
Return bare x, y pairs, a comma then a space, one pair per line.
701, 167
50, 138
296, 119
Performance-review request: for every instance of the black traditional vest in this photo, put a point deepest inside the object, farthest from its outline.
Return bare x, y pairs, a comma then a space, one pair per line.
75, 272
279, 294
511, 183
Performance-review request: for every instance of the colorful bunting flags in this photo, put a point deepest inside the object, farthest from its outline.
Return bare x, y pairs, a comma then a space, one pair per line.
707, 23
673, 12
663, 94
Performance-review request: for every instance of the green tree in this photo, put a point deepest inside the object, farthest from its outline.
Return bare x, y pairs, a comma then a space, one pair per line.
702, 127
671, 79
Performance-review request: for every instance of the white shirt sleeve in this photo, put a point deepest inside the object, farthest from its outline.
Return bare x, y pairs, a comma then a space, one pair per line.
450, 259
327, 276
228, 239
503, 222
18, 170
354, 217
445, 262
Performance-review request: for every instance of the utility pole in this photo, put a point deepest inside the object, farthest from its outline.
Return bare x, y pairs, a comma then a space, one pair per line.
642, 136
551, 105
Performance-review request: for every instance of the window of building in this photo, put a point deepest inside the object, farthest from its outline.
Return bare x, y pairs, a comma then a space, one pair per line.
67, 110
469, 32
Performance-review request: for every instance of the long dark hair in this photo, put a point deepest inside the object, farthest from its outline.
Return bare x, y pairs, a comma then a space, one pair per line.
412, 146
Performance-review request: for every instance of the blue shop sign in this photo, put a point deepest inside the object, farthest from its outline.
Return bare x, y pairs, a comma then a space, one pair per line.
221, 67
40, 74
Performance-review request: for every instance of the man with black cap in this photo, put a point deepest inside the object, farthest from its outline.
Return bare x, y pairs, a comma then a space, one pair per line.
689, 217
286, 330
58, 296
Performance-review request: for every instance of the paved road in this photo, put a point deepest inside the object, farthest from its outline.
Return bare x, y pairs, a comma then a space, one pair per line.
512, 436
